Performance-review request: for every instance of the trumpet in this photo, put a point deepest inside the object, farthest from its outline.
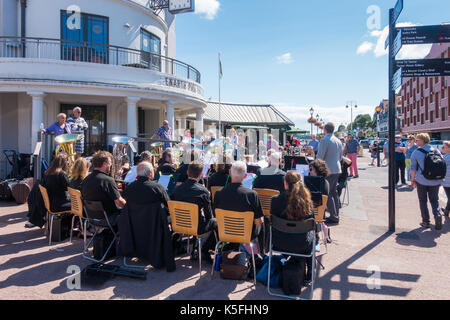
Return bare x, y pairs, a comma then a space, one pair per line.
66, 143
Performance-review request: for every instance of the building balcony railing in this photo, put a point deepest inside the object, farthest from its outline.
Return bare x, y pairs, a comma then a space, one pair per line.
41, 48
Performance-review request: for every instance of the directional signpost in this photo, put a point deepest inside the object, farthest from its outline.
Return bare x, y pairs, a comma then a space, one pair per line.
426, 34
408, 68
398, 43
424, 67
397, 79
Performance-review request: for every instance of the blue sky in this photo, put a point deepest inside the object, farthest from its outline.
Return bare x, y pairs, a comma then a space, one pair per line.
297, 53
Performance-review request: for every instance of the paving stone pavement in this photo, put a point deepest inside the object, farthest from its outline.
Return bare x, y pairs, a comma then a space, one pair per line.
364, 261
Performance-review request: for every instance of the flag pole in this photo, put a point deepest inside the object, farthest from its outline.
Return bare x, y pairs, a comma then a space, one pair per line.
220, 101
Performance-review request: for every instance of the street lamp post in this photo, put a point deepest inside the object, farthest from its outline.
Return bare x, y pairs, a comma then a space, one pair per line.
351, 104
311, 111
318, 117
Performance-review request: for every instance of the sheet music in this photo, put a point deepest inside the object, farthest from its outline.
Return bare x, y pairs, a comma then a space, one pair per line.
303, 169
164, 181
248, 181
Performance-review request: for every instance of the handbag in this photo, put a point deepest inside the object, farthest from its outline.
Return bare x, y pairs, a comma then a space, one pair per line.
234, 265
275, 271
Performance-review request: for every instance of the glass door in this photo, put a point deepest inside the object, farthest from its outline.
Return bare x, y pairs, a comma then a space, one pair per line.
95, 135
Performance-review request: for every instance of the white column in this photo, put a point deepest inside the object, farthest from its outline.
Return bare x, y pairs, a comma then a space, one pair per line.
170, 111
37, 116
199, 121
132, 116
183, 123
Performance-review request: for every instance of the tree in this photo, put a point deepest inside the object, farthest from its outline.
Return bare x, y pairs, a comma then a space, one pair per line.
341, 128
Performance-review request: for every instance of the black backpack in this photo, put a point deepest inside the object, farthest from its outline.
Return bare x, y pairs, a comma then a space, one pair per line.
435, 167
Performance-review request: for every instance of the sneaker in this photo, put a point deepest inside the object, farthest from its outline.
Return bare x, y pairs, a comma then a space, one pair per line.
438, 223
29, 225
357, 176
329, 221
426, 225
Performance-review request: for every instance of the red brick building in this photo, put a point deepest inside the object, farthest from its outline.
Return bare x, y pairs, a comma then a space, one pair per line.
425, 103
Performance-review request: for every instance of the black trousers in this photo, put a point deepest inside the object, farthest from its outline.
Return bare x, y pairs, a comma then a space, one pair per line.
400, 167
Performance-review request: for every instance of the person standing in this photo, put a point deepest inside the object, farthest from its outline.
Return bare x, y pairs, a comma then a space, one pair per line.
446, 183
426, 188
400, 166
386, 152
352, 149
331, 151
314, 143
165, 134
410, 148
59, 127
78, 126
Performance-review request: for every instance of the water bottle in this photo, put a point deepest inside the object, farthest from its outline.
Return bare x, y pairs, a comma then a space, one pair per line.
41, 127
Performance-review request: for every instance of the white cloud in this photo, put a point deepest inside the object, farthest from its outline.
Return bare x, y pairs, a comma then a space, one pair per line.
209, 8
285, 58
365, 47
338, 115
407, 52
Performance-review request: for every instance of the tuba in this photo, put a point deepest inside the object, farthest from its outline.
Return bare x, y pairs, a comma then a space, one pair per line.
66, 143
120, 150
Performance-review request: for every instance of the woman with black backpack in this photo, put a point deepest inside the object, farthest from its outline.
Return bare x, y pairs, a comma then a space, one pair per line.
428, 169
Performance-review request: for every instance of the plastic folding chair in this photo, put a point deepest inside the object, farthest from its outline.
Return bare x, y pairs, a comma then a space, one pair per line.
265, 197
319, 216
50, 214
346, 195
293, 229
235, 227
77, 211
98, 218
184, 220
213, 192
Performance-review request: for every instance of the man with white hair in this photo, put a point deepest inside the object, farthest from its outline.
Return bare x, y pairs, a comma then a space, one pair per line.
78, 126
271, 177
144, 190
131, 176
235, 197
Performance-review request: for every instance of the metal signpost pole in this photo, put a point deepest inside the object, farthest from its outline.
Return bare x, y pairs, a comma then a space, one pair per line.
391, 128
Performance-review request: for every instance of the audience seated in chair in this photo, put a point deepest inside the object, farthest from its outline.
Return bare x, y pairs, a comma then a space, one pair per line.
193, 192
131, 176
144, 221
319, 168
271, 177
56, 181
165, 165
79, 172
100, 186
235, 197
295, 204
343, 178
145, 191
221, 177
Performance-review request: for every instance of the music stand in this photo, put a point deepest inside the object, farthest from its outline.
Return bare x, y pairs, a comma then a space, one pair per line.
291, 162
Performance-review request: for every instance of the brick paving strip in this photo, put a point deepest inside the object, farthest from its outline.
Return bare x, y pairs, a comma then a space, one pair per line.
364, 261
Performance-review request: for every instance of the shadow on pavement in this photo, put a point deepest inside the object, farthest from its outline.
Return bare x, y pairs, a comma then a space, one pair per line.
20, 241
343, 272
19, 217
421, 237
